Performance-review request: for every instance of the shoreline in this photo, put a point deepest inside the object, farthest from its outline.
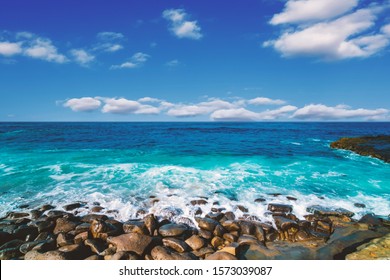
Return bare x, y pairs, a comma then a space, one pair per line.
47, 233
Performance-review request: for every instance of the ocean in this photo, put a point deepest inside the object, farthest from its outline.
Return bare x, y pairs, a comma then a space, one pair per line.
162, 167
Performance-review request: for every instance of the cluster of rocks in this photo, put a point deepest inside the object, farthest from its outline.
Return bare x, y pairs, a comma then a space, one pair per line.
374, 146
50, 234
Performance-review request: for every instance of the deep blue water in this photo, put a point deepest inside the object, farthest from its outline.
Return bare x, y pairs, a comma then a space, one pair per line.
121, 164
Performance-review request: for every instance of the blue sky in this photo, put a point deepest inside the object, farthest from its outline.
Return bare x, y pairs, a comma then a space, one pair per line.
252, 60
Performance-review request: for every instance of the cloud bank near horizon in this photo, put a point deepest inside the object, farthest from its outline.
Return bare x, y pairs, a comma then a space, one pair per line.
217, 109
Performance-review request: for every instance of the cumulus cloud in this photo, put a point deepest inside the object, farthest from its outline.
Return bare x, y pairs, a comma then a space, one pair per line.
266, 101
331, 32
180, 26
10, 49
296, 11
323, 112
239, 114
149, 100
125, 106
84, 104
137, 60
42, 48
202, 108
82, 56
109, 41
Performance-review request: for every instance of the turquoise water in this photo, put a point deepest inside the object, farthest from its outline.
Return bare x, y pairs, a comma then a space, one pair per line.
120, 165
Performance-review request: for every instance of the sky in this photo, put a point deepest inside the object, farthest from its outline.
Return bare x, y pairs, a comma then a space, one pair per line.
195, 60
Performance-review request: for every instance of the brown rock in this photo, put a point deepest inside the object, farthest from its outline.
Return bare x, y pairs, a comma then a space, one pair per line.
10, 253
195, 242
231, 249
247, 227
327, 211
359, 205
204, 252
63, 239
17, 215
90, 217
242, 208
97, 246
133, 242
72, 206
230, 215
162, 253
217, 242
64, 225
279, 208
198, 202
291, 198
150, 223
171, 230
247, 239
376, 249
81, 237
221, 256
175, 244
50, 255
230, 238
259, 233
215, 215
205, 234
284, 224
135, 226
231, 225
46, 207
219, 231
260, 200
93, 258
97, 209
82, 227
206, 223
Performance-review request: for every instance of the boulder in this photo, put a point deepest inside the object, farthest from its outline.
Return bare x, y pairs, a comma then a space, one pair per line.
132, 242
150, 223
195, 242
279, 208
50, 255
221, 256
163, 253
328, 211
171, 230
216, 242
206, 223
72, 206
376, 249
284, 224
135, 226
64, 225
231, 225
97, 246
176, 244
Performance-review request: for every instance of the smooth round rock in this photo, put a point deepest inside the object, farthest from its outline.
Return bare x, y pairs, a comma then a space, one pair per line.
171, 230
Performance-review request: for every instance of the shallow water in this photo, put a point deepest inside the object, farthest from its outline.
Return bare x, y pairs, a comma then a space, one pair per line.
120, 165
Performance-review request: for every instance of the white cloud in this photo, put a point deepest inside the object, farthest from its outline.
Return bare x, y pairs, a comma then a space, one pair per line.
149, 100
10, 49
82, 57
347, 36
42, 48
125, 106
180, 26
173, 63
137, 60
109, 36
323, 112
296, 11
84, 104
266, 101
201, 108
239, 114
277, 113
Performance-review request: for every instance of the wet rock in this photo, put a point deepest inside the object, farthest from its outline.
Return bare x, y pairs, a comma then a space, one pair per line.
256, 252
359, 205
247, 239
12, 244
175, 244
10, 253
274, 194
231, 249
97, 209
97, 246
374, 146
197, 211
323, 226
205, 234
204, 252
259, 233
231, 225
46, 207
371, 220
260, 199
216, 242
327, 211
90, 217
81, 237
247, 227
221, 256
163, 253
93, 258
242, 208
35, 214
63, 239
82, 228
55, 214
133, 242
230, 215
25, 232
150, 223
185, 221
219, 231
101, 229
122, 256
198, 202
291, 198
5, 237
284, 224
215, 216
230, 238
195, 242
135, 226
44, 226
72, 206
206, 223
170, 212
48, 245
376, 249
24, 248
279, 208
303, 235
171, 230
50, 255
17, 215
64, 225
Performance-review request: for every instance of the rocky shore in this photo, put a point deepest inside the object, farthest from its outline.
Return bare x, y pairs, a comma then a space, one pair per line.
374, 146
48, 233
